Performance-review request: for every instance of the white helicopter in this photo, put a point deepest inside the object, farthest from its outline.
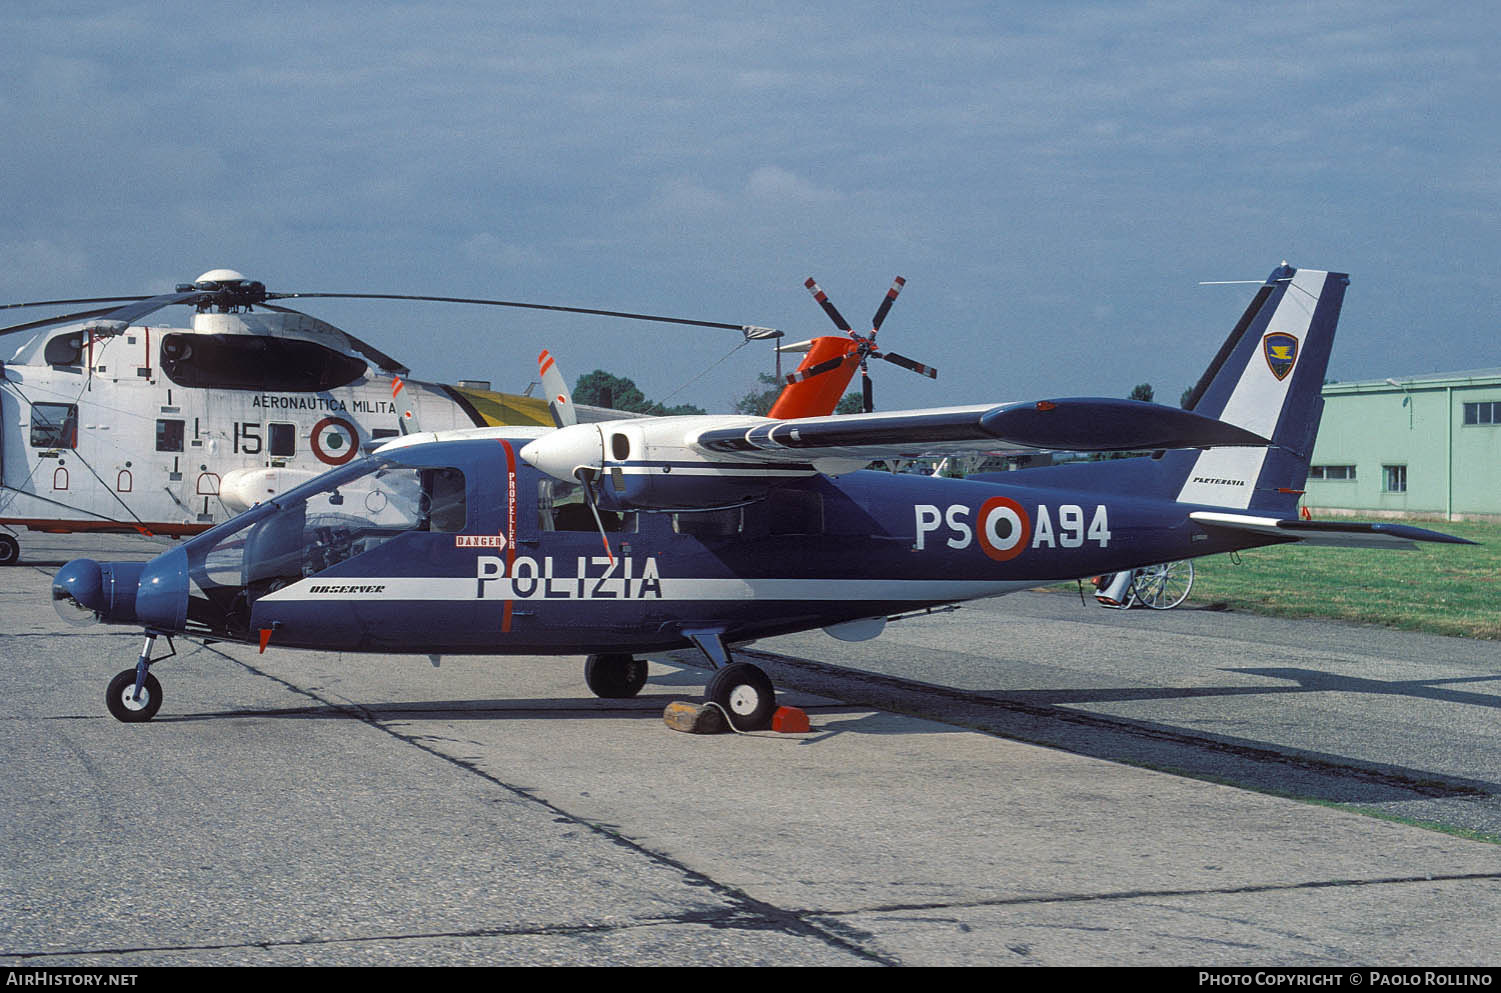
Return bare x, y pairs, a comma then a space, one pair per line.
109, 425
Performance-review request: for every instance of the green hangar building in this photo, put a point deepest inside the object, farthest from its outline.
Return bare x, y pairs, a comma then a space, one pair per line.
1424, 446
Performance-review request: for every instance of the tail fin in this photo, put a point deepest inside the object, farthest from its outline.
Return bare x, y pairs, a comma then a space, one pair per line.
820, 381
1268, 378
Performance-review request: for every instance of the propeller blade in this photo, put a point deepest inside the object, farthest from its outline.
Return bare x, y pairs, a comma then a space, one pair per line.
827, 305
881, 312
751, 331
559, 398
867, 391
906, 363
407, 423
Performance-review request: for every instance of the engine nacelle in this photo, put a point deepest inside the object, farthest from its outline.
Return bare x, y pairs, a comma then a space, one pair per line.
651, 464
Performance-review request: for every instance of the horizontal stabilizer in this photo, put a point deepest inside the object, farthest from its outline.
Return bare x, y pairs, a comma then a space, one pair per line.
1344, 534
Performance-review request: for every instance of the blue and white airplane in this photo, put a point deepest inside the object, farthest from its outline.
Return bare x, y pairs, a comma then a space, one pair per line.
621, 539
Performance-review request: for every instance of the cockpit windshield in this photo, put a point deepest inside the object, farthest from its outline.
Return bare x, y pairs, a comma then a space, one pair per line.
317, 526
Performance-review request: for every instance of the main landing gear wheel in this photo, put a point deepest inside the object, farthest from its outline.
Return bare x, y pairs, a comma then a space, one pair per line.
10, 550
121, 701
614, 677
1163, 587
746, 694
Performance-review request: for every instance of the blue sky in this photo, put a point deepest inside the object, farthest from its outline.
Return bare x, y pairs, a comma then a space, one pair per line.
1053, 180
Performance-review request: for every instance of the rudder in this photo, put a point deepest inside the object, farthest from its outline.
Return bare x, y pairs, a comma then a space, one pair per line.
1268, 378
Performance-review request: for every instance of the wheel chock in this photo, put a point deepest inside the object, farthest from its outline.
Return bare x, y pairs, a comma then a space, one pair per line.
697, 718
790, 720
694, 718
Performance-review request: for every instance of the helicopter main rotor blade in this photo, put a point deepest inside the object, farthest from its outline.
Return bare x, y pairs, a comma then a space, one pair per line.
751, 331
59, 303
380, 358
113, 315
61, 319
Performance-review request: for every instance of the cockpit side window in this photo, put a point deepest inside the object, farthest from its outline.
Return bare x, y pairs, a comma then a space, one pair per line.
444, 490
561, 507
347, 516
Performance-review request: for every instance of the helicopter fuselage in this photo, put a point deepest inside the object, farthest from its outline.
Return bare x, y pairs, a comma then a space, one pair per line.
170, 431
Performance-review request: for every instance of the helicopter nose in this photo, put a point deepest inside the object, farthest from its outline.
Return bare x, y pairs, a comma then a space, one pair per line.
85, 591
162, 599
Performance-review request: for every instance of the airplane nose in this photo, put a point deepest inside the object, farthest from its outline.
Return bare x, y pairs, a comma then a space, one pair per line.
85, 591
78, 592
162, 599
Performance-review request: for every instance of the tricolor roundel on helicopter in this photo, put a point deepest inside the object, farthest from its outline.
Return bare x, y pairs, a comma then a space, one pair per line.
335, 441
1281, 351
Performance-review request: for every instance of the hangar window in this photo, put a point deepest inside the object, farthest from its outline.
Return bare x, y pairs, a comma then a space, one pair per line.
1331, 472
1394, 478
1484, 412
54, 425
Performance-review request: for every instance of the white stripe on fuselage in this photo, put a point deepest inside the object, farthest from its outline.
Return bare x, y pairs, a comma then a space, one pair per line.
1226, 477
605, 582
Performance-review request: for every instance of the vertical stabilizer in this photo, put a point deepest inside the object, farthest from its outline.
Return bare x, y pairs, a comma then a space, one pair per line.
1268, 379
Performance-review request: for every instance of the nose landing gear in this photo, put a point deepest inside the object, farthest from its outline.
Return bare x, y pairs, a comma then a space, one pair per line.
134, 695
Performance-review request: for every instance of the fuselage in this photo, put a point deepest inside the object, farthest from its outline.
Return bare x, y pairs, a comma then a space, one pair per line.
462, 547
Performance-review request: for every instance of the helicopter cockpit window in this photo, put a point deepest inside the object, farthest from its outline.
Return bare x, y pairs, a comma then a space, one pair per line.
54, 425
65, 349
561, 507
255, 362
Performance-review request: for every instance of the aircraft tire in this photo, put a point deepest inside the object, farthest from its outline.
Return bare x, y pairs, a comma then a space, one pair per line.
614, 677
10, 550
122, 708
746, 694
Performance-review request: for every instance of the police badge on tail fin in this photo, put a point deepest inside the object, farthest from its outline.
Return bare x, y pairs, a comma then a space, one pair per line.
1281, 351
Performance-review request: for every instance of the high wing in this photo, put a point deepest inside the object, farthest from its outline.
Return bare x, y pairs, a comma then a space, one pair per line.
1340, 534
1092, 424
700, 462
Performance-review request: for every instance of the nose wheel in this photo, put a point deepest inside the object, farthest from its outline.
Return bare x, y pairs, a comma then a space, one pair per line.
135, 695
127, 704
